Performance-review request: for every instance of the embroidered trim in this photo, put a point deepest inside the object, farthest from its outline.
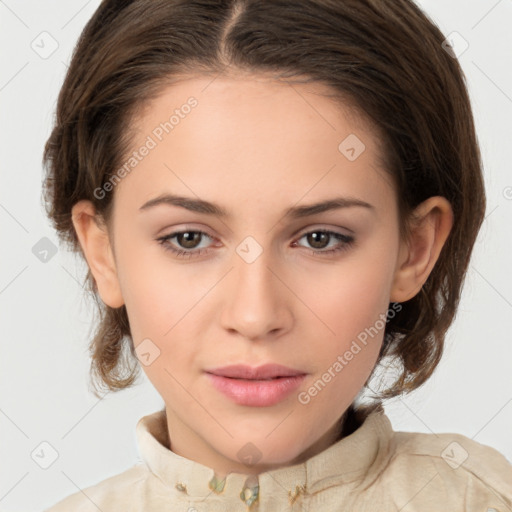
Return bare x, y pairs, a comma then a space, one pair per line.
293, 495
215, 485
250, 494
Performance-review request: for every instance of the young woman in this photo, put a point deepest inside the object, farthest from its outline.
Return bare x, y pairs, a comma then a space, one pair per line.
274, 200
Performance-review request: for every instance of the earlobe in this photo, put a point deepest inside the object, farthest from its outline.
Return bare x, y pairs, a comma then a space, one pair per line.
95, 243
418, 256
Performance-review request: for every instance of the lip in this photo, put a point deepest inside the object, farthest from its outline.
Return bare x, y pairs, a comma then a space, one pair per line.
266, 371
262, 386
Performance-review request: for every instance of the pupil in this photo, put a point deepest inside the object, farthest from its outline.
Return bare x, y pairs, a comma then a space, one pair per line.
315, 239
189, 237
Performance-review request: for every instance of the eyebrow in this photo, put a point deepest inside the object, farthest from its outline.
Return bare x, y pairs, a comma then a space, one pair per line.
295, 212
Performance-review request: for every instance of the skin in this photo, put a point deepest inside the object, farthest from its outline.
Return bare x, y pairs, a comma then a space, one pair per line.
256, 147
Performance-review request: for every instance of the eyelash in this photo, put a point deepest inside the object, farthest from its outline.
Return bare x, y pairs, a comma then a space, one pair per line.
347, 242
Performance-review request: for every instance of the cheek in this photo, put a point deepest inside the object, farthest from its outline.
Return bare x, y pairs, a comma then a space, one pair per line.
351, 301
159, 303
351, 297
353, 306
154, 289
159, 300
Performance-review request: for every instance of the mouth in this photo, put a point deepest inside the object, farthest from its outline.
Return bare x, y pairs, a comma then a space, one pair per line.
252, 380
263, 386
269, 371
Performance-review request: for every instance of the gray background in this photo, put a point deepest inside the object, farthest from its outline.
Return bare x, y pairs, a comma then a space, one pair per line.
46, 316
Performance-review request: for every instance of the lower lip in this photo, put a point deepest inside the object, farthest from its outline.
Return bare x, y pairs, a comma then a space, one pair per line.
256, 393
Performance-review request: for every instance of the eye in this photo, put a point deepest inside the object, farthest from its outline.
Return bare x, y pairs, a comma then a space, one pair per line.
319, 237
188, 240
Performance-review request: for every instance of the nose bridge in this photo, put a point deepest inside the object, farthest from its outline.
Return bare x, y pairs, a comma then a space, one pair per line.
253, 275
256, 303
252, 269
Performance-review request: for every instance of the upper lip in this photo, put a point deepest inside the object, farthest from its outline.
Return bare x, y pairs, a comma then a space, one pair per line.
266, 371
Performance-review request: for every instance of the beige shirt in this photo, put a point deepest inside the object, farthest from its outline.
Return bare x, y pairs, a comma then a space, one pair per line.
374, 469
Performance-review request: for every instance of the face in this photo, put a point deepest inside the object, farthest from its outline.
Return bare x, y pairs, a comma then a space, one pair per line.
258, 284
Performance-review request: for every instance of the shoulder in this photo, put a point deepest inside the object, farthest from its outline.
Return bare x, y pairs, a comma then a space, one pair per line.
116, 492
448, 468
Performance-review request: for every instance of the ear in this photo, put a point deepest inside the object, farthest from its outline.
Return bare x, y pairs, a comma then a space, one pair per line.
418, 255
94, 240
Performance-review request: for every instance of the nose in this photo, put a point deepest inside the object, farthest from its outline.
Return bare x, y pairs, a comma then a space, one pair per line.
256, 304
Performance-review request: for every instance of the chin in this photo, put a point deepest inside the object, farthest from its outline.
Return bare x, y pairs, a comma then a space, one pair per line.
267, 455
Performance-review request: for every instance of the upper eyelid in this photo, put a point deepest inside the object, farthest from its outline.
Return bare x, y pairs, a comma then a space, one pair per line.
296, 232
297, 235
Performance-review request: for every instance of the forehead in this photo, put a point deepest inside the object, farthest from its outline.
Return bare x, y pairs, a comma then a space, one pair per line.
251, 137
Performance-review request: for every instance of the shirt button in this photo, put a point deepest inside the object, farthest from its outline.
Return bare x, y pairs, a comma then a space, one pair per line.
181, 487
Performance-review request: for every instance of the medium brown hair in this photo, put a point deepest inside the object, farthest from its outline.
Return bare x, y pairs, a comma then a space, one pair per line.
384, 58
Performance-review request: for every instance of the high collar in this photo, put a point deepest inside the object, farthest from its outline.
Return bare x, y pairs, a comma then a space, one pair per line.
360, 456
